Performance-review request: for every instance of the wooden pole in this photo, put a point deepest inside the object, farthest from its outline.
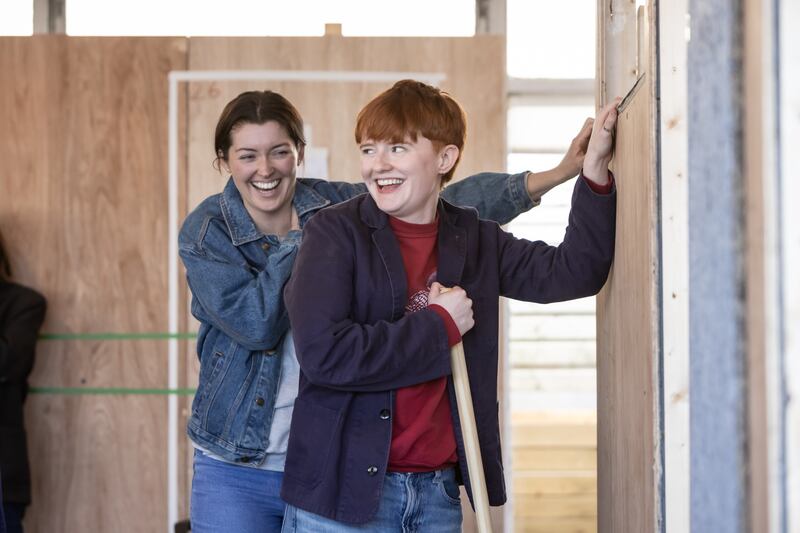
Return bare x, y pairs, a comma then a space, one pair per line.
469, 430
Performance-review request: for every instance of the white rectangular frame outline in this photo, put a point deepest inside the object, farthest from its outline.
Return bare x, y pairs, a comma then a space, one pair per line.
175, 77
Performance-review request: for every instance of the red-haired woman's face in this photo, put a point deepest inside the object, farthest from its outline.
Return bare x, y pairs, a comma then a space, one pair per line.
404, 178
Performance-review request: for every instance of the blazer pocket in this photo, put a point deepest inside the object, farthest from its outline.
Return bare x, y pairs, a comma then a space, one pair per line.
314, 431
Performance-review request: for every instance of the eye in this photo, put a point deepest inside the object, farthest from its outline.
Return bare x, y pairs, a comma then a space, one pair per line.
283, 152
246, 157
367, 150
398, 148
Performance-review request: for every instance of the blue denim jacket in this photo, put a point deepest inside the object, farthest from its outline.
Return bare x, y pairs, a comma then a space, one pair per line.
237, 274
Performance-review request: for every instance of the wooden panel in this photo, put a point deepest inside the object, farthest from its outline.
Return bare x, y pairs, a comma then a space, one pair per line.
531, 505
627, 335
85, 213
556, 525
557, 434
555, 458
560, 483
99, 463
555, 481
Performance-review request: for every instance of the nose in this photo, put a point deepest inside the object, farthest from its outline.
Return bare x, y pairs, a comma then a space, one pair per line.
264, 168
381, 162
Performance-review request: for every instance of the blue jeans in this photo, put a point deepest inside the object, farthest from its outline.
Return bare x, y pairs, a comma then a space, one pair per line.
228, 497
410, 503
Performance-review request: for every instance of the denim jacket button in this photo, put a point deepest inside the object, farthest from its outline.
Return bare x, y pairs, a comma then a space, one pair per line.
265, 246
271, 352
259, 401
384, 414
372, 470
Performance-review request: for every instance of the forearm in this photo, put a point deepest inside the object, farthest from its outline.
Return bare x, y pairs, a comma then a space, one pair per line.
539, 183
498, 197
247, 306
376, 357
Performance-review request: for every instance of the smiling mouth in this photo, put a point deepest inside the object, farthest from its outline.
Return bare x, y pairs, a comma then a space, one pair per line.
265, 185
392, 183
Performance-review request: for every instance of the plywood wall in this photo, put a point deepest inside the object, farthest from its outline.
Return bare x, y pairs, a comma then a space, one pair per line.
84, 209
627, 309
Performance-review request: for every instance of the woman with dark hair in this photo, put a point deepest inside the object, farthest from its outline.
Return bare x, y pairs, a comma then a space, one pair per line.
238, 248
22, 312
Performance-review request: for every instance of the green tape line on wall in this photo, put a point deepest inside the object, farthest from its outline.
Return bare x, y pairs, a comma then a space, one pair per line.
110, 391
114, 336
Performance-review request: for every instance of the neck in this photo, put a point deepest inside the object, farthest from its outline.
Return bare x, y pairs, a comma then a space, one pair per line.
278, 223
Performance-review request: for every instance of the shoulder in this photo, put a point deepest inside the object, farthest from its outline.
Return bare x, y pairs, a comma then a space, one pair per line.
461, 215
333, 191
196, 225
21, 297
338, 223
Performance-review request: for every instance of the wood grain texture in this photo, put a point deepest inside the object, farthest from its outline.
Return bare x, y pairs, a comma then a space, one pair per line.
85, 212
627, 334
99, 463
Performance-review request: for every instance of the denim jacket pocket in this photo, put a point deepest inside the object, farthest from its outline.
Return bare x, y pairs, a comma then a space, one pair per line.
212, 370
311, 438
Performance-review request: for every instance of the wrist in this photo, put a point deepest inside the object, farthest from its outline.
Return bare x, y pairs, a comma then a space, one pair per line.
596, 171
598, 176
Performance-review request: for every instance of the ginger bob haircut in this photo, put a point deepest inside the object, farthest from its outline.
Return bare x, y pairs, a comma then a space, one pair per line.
412, 108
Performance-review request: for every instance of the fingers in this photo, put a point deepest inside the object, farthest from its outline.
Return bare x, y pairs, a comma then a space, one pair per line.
607, 117
456, 302
436, 290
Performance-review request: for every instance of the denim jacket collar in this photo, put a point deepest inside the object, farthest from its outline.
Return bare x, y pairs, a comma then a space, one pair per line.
241, 226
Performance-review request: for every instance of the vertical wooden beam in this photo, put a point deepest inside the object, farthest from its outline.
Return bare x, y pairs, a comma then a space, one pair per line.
674, 204
628, 340
762, 246
490, 17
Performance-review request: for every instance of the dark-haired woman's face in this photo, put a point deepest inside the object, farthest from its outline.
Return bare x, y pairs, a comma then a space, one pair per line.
263, 162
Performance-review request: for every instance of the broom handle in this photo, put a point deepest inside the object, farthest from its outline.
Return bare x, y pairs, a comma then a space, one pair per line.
469, 430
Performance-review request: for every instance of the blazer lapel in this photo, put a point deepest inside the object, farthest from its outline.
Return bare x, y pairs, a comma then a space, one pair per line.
389, 251
452, 243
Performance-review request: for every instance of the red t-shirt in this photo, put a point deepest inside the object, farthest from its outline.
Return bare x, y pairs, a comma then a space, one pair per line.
422, 428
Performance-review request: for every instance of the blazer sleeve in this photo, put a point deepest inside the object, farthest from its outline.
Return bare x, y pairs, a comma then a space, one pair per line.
333, 349
578, 267
18, 336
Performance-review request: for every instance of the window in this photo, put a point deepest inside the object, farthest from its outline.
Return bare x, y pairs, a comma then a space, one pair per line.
270, 17
551, 39
16, 17
552, 374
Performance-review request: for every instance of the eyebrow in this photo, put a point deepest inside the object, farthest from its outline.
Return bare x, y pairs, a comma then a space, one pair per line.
248, 149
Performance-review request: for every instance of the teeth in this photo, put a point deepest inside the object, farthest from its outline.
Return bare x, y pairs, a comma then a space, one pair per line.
265, 186
383, 182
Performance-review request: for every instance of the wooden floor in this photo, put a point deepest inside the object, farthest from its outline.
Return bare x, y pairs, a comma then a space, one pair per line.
555, 472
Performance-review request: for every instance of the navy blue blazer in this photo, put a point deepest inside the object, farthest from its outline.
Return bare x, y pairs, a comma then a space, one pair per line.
356, 346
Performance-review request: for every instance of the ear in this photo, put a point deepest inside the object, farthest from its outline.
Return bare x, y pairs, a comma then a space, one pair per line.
301, 154
223, 162
448, 156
